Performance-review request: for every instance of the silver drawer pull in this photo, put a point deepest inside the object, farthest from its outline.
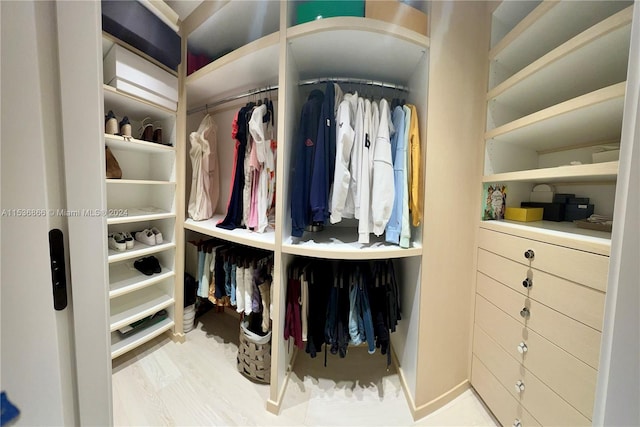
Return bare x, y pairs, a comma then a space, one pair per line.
525, 313
522, 348
519, 386
527, 283
529, 254
517, 423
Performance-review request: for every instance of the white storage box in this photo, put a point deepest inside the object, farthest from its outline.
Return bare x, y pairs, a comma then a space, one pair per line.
132, 72
130, 88
541, 196
606, 156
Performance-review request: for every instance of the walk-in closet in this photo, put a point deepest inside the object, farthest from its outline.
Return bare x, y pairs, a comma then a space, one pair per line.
392, 207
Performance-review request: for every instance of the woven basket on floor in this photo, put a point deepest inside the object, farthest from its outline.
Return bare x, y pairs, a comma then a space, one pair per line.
254, 360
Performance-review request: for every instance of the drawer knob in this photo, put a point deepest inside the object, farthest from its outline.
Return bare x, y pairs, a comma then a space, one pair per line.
522, 348
527, 283
517, 423
529, 254
519, 386
525, 313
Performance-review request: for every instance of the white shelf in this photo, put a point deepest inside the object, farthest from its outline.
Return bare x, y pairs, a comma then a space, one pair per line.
251, 66
136, 108
548, 26
561, 233
342, 243
242, 236
138, 305
139, 182
313, 48
552, 78
120, 345
124, 279
507, 15
596, 172
139, 214
131, 144
594, 117
139, 250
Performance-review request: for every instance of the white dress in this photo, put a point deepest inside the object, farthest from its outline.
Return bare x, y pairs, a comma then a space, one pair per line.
204, 179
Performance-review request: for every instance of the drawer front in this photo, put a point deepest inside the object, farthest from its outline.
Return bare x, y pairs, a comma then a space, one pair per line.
502, 404
576, 338
572, 379
581, 303
536, 397
577, 266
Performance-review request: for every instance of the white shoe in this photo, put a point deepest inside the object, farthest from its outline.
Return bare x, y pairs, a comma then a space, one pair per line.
128, 238
117, 242
158, 235
146, 236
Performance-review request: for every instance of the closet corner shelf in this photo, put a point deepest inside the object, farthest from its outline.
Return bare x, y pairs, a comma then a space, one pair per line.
131, 144
121, 345
594, 117
342, 243
137, 214
552, 77
136, 306
124, 104
596, 172
254, 64
124, 279
560, 233
139, 182
242, 236
139, 250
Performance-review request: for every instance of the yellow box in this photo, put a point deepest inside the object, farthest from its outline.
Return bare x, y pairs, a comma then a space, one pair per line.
524, 214
396, 12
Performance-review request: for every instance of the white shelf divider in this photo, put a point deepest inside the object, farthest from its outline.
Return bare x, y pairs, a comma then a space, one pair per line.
594, 117
133, 106
138, 214
133, 144
242, 236
120, 345
139, 250
124, 279
596, 172
136, 306
138, 182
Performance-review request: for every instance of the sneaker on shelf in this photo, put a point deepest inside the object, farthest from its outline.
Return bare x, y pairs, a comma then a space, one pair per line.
110, 123
146, 236
128, 238
143, 266
154, 264
158, 235
125, 127
117, 242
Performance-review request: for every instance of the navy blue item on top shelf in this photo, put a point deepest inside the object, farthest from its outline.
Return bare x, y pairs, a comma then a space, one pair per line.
577, 211
136, 25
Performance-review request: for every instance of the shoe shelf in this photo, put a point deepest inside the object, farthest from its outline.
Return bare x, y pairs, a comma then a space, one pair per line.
548, 26
242, 236
120, 345
132, 144
139, 214
564, 124
124, 279
138, 250
507, 15
551, 79
137, 305
342, 243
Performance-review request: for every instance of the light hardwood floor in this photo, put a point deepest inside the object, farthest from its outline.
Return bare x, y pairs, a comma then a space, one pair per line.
197, 383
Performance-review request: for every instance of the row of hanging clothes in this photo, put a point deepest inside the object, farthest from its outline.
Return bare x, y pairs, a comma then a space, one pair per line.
205, 180
251, 202
357, 158
337, 305
233, 276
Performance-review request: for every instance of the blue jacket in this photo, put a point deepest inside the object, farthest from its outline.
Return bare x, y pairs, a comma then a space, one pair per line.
398, 150
325, 158
305, 148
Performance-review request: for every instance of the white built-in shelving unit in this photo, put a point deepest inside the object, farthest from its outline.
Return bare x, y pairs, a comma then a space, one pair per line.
143, 198
556, 91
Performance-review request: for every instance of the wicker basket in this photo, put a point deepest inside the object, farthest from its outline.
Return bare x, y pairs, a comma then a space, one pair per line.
254, 359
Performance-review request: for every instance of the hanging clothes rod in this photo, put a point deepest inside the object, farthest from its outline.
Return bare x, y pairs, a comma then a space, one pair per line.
345, 80
348, 80
251, 92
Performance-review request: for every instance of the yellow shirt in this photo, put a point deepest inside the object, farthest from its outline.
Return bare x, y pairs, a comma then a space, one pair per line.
415, 160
